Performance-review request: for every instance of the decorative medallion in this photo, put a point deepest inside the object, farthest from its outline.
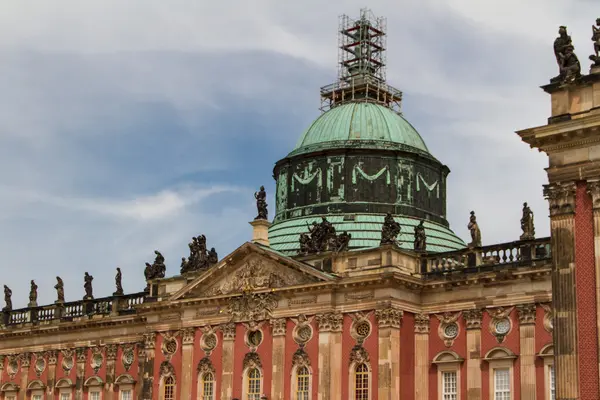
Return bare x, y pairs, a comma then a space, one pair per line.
448, 330
300, 358
254, 338
208, 342
252, 360
97, 359
252, 307
166, 369
40, 364
12, 367
205, 366
361, 327
548, 317
127, 357
359, 355
67, 360
500, 324
169, 344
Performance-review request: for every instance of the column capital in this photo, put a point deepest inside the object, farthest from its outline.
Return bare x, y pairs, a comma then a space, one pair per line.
278, 326
228, 331
330, 322
187, 336
561, 197
527, 314
421, 323
111, 352
593, 189
473, 318
389, 317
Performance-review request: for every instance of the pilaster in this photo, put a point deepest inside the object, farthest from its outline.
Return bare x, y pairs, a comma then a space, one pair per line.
187, 361
564, 298
527, 314
227, 368
52, 356
421, 357
593, 188
473, 320
146, 366
330, 355
388, 382
111, 357
278, 327
81, 356
25, 363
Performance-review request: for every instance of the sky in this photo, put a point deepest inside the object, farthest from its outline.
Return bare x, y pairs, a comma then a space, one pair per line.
130, 126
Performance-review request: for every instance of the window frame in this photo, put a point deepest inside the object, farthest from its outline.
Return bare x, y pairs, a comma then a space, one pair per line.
500, 358
202, 382
294, 382
547, 354
352, 379
246, 381
164, 385
448, 361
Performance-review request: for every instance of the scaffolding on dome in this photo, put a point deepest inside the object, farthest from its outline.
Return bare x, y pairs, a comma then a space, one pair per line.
361, 65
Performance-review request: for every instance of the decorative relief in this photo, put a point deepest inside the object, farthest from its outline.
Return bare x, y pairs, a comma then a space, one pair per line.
366, 295
25, 359
81, 353
473, 318
359, 355
300, 358
527, 313
111, 352
188, 336
279, 326
389, 317
361, 327
205, 366
257, 274
97, 358
208, 340
2, 359
252, 306
204, 312
303, 330
330, 322
421, 323
228, 331
127, 356
448, 329
252, 360
593, 189
561, 198
548, 317
150, 341
169, 344
52, 356
166, 369
254, 338
67, 360
40, 364
13, 366
302, 301
500, 324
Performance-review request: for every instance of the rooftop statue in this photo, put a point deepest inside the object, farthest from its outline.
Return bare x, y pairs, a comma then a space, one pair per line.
527, 223
390, 230
199, 258
33, 294
156, 270
87, 286
322, 237
420, 237
118, 283
568, 63
60, 290
475, 232
7, 299
596, 39
261, 203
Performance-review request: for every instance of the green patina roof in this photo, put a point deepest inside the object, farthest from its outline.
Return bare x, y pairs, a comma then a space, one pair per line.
366, 232
360, 123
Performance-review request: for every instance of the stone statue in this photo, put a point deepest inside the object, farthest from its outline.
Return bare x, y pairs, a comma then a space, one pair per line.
568, 63
321, 237
420, 237
261, 203
87, 278
156, 270
118, 283
475, 232
596, 39
390, 230
7, 299
199, 258
33, 294
527, 223
341, 242
60, 290
213, 257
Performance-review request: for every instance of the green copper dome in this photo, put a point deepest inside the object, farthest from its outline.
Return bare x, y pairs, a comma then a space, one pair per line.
360, 125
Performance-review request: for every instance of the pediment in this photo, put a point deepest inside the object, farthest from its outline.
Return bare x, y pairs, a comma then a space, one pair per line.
251, 268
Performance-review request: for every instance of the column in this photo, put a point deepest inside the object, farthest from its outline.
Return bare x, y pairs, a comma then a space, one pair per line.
388, 382
278, 328
473, 326
25, 363
187, 362
227, 368
330, 355
111, 357
81, 358
593, 188
421, 357
146, 366
52, 357
562, 212
527, 357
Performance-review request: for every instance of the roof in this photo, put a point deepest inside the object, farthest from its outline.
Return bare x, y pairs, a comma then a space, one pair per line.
360, 124
366, 232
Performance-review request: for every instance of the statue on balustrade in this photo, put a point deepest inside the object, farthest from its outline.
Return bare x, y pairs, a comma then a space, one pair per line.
200, 258
322, 237
420, 237
527, 223
475, 232
33, 294
261, 203
596, 39
390, 230
118, 283
568, 63
87, 285
341, 242
60, 290
7, 299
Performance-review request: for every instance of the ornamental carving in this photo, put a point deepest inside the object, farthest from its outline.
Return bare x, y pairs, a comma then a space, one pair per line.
361, 327
169, 344
205, 366
188, 336
593, 189
127, 357
330, 322
300, 358
548, 317
500, 324
303, 330
389, 317
252, 360
81, 353
256, 274
40, 364
279, 326
97, 359
166, 369
421, 323
67, 360
52, 356
228, 331
25, 360
2, 359
561, 198
473, 318
111, 352
358, 355
252, 306
526, 313
12, 366
150, 341
448, 329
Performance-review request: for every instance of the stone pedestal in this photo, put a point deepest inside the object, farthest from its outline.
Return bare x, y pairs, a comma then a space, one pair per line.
260, 231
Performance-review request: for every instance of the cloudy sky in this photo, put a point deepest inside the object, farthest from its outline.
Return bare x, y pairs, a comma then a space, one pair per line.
129, 126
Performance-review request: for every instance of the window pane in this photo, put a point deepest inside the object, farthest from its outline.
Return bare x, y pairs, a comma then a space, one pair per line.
94, 396
169, 388
36, 397
64, 396
551, 381
126, 395
361, 382
449, 385
254, 384
208, 386
501, 384
302, 384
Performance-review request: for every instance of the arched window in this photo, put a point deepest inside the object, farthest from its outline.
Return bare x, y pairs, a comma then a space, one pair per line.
254, 384
361, 382
169, 388
208, 386
303, 384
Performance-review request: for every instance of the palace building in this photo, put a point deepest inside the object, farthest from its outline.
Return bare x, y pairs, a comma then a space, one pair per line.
357, 288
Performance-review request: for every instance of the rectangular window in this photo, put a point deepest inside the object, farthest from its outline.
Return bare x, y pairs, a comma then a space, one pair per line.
94, 396
65, 396
36, 397
449, 385
126, 395
551, 382
502, 384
